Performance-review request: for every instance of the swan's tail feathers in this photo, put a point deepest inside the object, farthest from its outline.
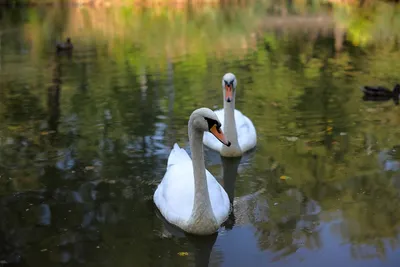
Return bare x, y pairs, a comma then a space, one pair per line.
177, 155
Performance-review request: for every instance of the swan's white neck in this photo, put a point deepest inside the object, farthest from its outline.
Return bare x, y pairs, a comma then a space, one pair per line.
202, 215
230, 130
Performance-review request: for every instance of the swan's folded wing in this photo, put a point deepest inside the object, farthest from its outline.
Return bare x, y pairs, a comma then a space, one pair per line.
174, 196
219, 199
212, 142
177, 155
220, 114
247, 136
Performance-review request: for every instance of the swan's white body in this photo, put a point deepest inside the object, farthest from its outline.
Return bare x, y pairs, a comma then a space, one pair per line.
246, 132
175, 195
238, 128
189, 196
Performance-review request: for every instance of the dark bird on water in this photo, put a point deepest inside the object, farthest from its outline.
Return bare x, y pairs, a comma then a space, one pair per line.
67, 46
380, 93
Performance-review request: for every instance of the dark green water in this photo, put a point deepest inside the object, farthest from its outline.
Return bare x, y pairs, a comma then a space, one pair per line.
84, 138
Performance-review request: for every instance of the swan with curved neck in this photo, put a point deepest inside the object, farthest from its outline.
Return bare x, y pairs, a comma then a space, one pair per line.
238, 128
189, 196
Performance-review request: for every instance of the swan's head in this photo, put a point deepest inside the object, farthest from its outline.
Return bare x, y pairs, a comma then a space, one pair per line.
229, 84
205, 120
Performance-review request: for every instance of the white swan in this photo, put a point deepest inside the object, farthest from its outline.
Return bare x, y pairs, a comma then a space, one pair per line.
189, 196
238, 128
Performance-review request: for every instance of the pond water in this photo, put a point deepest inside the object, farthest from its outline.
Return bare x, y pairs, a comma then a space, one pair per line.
85, 137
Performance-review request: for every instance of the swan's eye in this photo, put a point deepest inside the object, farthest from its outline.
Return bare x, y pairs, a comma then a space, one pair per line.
212, 122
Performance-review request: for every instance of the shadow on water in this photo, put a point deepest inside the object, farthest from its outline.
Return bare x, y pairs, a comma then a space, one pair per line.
201, 245
229, 172
213, 158
54, 93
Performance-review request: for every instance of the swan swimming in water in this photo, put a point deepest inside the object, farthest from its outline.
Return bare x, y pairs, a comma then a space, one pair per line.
189, 196
238, 128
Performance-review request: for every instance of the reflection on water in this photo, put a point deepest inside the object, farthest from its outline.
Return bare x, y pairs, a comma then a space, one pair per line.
85, 136
200, 246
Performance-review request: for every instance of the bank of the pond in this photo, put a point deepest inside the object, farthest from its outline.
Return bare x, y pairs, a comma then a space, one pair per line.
108, 3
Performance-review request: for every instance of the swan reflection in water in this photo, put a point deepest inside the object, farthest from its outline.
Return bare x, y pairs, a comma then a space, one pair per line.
229, 172
202, 245
241, 206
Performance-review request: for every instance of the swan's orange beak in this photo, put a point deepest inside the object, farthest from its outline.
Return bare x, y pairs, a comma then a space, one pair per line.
217, 132
228, 93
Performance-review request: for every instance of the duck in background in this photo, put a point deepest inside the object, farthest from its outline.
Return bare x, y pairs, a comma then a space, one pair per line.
67, 46
380, 93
